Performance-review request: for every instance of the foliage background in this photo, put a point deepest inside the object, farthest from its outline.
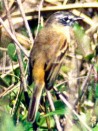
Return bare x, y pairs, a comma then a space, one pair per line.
78, 77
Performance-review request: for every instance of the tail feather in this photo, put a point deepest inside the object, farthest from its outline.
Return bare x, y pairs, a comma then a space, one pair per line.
30, 77
34, 103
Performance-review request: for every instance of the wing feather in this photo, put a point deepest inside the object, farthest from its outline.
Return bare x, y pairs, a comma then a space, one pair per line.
53, 70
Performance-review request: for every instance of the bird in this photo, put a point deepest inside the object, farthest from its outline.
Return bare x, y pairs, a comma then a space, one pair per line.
47, 55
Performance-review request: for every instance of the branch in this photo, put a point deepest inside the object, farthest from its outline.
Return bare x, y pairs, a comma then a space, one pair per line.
25, 21
83, 87
39, 15
72, 6
63, 7
22, 74
53, 109
9, 90
71, 109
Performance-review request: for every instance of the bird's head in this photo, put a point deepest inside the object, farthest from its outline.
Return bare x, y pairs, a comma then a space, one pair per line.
65, 18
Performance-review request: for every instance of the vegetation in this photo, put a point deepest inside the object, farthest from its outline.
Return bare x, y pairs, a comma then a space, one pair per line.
75, 93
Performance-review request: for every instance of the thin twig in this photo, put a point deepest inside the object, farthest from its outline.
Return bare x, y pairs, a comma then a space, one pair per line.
14, 106
63, 82
9, 90
25, 21
92, 29
65, 2
53, 109
6, 68
71, 109
8, 72
3, 49
87, 19
83, 87
22, 75
39, 15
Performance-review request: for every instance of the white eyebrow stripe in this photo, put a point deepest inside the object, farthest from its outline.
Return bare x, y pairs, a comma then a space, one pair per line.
71, 17
60, 16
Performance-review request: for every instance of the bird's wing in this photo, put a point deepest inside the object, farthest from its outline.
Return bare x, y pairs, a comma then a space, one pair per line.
53, 67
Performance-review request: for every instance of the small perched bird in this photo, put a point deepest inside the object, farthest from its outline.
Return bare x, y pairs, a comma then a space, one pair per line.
47, 55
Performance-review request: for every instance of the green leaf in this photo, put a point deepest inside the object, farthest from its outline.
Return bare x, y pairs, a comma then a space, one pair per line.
89, 57
3, 82
60, 109
17, 72
37, 116
8, 79
95, 128
59, 105
42, 122
27, 125
58, 112
12, 52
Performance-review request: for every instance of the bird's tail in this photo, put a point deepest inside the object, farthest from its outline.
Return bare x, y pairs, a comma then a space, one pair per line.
34, 103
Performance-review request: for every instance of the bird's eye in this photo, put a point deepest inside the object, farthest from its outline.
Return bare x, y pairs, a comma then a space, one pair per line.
65, 19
